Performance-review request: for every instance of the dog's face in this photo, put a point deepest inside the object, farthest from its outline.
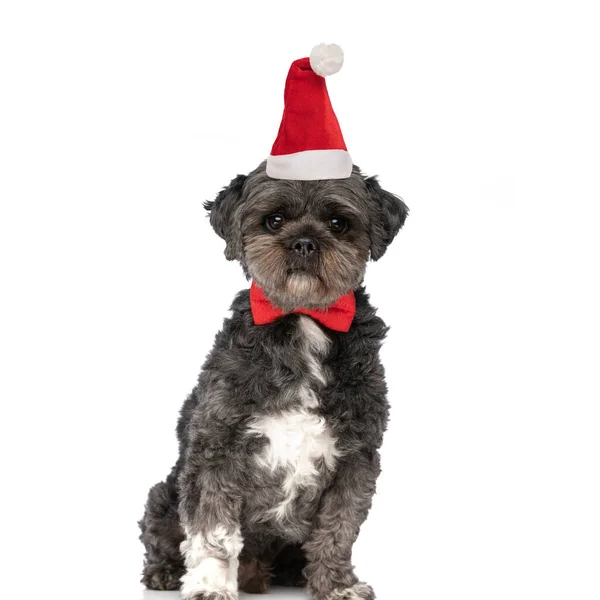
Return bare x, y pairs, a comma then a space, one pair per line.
305, 243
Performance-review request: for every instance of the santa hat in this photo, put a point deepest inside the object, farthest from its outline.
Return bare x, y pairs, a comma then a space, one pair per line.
310, 144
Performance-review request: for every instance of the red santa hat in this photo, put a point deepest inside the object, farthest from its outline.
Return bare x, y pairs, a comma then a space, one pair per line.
310, 144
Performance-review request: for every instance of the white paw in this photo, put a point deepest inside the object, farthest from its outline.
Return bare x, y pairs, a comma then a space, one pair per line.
211, 579
212, 565
213, 596
358, 591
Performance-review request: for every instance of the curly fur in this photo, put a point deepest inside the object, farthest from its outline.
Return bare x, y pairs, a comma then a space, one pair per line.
278, 442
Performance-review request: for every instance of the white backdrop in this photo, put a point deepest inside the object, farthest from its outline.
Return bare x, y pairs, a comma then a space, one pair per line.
118, 118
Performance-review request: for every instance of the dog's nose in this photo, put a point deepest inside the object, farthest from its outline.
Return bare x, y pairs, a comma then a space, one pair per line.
305, 246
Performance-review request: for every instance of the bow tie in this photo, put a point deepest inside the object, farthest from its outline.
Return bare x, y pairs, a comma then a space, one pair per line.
338, 316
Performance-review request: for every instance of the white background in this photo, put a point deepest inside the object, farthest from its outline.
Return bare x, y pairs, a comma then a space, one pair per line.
118, 119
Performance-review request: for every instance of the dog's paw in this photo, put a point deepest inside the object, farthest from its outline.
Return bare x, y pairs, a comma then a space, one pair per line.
211, 579
358, 591
159, 577
224, 595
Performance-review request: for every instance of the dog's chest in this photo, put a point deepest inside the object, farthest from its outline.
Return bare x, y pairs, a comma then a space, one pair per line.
299, 445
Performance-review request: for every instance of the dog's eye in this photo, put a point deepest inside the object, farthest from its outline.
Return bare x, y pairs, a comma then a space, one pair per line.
275, 221
338, 225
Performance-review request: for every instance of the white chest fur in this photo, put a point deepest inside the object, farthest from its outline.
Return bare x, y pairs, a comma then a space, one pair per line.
297, 438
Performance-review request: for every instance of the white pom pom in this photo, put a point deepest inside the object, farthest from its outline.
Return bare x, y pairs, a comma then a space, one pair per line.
326, 59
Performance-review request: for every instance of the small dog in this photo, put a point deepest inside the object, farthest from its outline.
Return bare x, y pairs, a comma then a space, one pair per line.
278, 442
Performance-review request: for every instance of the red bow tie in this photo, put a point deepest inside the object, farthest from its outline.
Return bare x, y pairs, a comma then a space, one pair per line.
338, 316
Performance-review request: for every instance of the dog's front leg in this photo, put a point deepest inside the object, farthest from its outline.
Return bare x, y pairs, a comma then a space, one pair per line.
210, 510
343, 509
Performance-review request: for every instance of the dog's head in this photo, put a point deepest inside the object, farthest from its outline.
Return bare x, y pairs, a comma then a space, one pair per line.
306, 243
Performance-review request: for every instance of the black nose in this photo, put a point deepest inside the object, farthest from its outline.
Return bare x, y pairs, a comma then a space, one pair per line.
305, 246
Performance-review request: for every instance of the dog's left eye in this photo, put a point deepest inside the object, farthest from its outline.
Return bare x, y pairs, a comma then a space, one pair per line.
338, 225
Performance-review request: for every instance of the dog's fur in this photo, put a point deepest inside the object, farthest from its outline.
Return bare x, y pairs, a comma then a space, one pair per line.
279, 439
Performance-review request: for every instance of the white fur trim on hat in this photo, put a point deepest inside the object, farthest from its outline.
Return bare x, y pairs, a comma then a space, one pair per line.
310, 165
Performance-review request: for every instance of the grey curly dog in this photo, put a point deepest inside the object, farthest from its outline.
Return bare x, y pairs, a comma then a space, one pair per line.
278, 441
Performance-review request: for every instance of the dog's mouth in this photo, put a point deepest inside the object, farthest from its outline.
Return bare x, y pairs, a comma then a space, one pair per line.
309, 267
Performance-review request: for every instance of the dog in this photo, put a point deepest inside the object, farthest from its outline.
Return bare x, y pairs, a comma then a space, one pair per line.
278, 442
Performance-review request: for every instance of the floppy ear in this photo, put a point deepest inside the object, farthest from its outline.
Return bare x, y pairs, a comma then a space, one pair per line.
389, 215
222, 217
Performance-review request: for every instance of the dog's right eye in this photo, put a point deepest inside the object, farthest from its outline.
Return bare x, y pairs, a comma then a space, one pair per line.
274, 222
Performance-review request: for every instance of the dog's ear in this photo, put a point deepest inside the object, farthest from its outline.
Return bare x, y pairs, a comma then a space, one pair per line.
389, 215
222, 216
